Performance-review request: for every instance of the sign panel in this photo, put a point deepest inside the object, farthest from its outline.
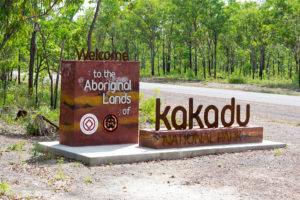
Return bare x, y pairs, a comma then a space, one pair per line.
99, 102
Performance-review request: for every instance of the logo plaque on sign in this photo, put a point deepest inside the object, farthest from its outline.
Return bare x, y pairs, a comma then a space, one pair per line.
110, 123
89, 124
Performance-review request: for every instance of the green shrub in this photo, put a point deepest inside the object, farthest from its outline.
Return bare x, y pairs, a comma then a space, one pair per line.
147, 109
36, 151
4, 188
31, 129
88, 179
237, 80
17, 146
189, 75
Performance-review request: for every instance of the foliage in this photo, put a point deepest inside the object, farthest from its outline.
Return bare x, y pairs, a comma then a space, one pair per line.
277, 153
234, 41
237, 80
60, 175
17, 146
61, 161
36, 151
88, 179
4, 188
147, 108
31, 129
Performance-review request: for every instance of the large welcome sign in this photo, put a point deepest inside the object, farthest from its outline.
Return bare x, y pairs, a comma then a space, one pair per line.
99, 102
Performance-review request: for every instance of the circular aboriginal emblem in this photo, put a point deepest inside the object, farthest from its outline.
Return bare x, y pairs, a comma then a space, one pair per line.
110, 123
89, 124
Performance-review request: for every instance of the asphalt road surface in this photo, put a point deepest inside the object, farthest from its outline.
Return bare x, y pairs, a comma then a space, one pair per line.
277, 99
285, 100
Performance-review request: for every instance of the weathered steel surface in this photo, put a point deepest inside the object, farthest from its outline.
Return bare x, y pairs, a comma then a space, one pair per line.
76, 102
199, 137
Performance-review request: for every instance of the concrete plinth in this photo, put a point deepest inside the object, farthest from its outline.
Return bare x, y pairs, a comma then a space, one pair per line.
129, 153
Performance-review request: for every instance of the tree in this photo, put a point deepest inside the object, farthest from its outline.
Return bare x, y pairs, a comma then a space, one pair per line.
89, 39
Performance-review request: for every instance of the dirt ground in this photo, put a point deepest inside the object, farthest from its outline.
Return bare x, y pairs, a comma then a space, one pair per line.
269, 174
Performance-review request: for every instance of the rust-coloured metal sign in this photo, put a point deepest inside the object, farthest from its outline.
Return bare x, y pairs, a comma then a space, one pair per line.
99, 103
185, 136
163, 139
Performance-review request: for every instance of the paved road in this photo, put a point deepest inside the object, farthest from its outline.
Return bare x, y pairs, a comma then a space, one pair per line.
224, 93
278, 99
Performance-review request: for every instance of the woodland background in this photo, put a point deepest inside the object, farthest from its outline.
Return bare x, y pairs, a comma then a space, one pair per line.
254, 42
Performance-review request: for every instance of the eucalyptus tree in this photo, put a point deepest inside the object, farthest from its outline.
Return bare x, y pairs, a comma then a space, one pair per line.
146, 16
287, 14
215, 23
89, 39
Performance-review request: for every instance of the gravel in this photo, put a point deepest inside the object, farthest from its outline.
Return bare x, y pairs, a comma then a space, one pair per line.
269, 174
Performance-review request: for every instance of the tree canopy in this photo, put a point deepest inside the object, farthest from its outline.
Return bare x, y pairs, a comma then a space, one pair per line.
196, 39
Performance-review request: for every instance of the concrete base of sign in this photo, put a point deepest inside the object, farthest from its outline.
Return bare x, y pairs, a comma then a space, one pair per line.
129, 153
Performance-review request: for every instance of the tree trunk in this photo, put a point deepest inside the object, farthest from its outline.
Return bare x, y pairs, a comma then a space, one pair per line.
37, 80
209, 52
89, 40
190, 54
19, 68
299, 63
296, 59
174, 58
143, 59
57, 75
180, 62
169, 57
195, 45
268, 65
48, 69
290, 67
273, 68
112, 45
152, 58
164, 63
252, 58
215, 64
203, 64
4, 79
157, 61
227, 64
11, 74
127, 48
32, 56
262, 62
278, 64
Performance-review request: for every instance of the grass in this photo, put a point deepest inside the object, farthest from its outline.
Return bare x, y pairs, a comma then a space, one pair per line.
148, 107
237, 80
274, 82
61, 161
18, 99
285, 122
277, 153
88, 179
36, 151
17, 146
4, 188
60, 175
